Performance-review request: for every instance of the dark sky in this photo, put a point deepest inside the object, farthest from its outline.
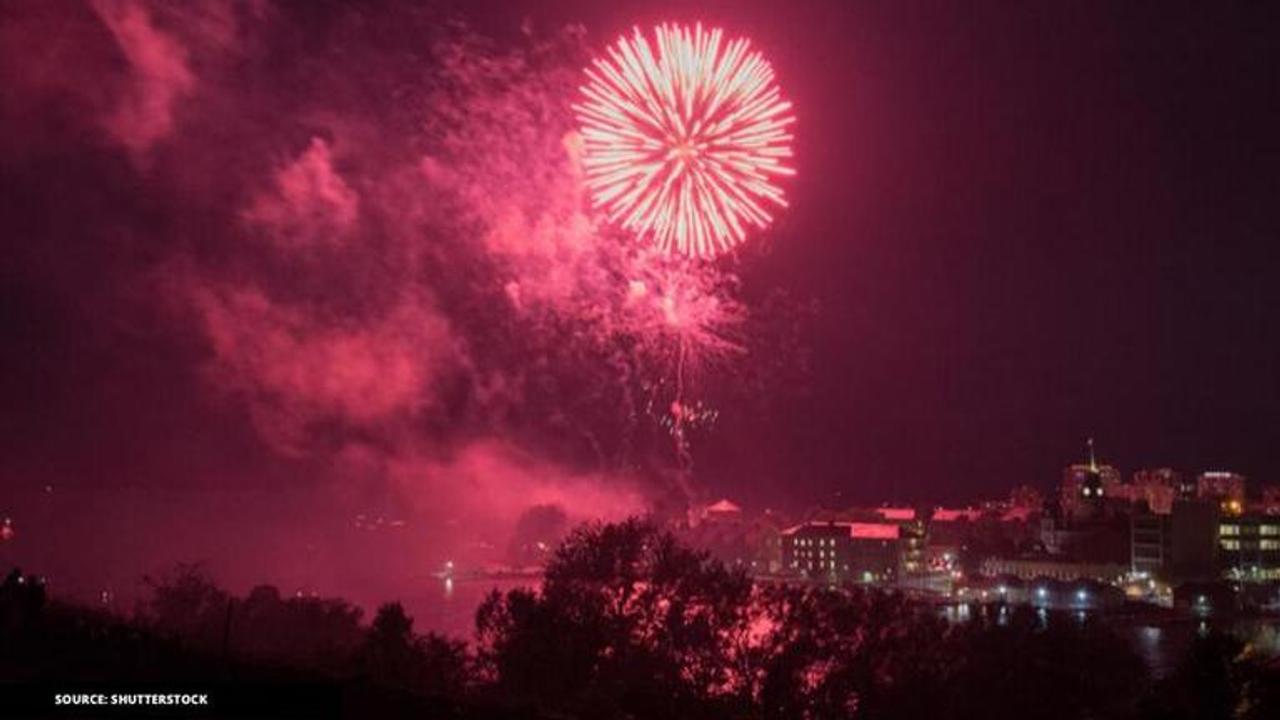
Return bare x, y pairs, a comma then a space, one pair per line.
1026, 225
1022, 223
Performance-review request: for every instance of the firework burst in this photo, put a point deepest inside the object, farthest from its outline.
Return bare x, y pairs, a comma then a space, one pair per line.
683, 138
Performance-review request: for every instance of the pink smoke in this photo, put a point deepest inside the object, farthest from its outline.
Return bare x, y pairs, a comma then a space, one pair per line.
310, 202
296, 369
405, 286
491, 482
159, 75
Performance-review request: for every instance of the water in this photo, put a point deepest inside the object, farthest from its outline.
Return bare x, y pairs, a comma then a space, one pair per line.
448, 607
1160, 643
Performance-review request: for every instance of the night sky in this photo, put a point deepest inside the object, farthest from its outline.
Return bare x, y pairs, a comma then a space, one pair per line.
1014, 226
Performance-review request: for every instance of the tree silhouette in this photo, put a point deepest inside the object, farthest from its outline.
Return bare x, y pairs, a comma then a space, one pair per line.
628, 622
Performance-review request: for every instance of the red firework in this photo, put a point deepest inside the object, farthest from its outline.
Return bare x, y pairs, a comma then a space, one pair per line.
682, 139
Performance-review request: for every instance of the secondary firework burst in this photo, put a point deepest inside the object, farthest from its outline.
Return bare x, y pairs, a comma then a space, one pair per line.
684, 138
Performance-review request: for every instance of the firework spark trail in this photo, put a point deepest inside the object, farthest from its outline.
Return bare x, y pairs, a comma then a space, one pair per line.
683, 454
682, 140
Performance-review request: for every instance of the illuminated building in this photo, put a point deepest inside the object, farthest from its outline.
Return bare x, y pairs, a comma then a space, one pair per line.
914, 539
970, 534
950, 533
765, 539
1026, 497
1086, 487
1053, 568
1270, 504
842, 550
722, 511
1224, 487
1157, 488
1158, 477
896, 514
1090, 522
735, 538
1249, 546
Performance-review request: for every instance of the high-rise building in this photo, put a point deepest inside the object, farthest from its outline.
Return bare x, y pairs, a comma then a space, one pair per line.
1270, 504
1149, 542
1225, 488
1249, 546
1176, 546
1086, 486
1157, 488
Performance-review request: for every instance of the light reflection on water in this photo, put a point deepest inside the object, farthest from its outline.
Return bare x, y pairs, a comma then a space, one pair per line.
448, 606
1160, 646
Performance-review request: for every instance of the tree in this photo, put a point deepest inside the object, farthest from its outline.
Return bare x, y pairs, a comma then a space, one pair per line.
187, 604
628, 622
394, 656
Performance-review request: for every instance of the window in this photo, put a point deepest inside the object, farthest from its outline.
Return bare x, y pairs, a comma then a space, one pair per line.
1230, 544
1269, 544
1269, 530
1228, 529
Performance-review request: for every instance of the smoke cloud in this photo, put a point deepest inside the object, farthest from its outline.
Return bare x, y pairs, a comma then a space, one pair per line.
376, 247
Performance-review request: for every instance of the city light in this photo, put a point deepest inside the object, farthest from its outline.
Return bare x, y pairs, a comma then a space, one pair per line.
736, 358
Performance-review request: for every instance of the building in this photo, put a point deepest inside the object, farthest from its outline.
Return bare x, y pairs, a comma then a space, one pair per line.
1212, 597
1223, 487
1149, 539
765, 538
1096, 537
724, 510
1193, 554
914, 539
1157, 488
737, 539
1026, 497
1083, 594
1177, 546
1086, 486
1270, 504
896, 514
863, 551
1249, 546
960, 539
1034, 568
